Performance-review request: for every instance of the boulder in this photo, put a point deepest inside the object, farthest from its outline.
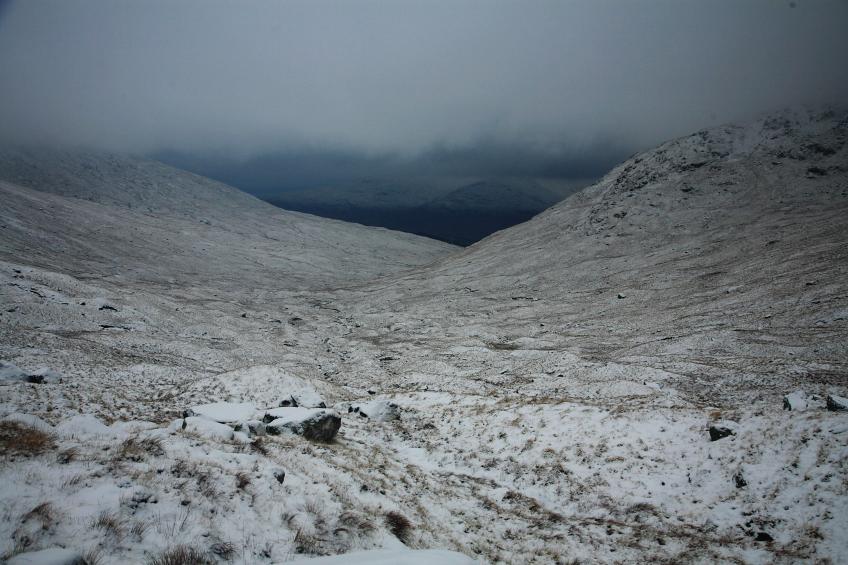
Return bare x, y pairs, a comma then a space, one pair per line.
223, 412
207, 428
837, 403
317, 424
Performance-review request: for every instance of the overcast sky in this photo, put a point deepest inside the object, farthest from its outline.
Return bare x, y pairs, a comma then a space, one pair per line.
555, 80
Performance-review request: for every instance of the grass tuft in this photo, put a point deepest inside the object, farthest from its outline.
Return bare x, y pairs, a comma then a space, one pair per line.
110, 523
19, 439
180, 555
138, 449
399, 525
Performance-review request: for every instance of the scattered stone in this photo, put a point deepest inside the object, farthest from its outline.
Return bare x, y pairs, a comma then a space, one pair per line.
142, 496
290, 402
621, 296
107, 307
837, 403
378, 410
763, 536
718, 432
312, 423
280, 475
304, 398
739, 480
250, 427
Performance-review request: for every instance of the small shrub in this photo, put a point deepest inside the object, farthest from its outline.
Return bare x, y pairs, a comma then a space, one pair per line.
399, 525
19, 439
180, 555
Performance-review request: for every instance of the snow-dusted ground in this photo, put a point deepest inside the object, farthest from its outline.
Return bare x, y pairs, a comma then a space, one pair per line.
555, 383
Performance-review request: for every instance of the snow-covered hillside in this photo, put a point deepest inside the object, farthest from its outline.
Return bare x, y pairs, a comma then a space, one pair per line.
96, 215
604, 383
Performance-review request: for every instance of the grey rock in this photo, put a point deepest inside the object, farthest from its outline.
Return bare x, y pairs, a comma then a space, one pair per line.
837, 403
322, 425
718, 432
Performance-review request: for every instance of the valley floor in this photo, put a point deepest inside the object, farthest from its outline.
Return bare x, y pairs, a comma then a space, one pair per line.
506, 450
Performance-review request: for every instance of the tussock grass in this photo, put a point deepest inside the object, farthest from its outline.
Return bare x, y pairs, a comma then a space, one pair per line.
110, 523
399, 525
308, 544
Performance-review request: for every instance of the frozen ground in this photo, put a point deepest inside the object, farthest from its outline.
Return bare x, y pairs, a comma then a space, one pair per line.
554, 384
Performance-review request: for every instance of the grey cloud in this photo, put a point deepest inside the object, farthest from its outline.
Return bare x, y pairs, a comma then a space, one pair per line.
406, 79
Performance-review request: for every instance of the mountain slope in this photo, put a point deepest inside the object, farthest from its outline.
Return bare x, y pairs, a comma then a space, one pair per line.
107, 215
723, 254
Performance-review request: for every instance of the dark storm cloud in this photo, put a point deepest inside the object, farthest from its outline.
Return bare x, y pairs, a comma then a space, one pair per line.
269, 173
390, 83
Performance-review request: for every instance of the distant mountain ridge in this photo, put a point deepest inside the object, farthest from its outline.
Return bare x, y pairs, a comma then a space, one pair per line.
460, 215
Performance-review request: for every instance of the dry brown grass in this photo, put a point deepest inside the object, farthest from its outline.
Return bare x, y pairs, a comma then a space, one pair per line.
19, 439
399, 525
44, 513
138, 449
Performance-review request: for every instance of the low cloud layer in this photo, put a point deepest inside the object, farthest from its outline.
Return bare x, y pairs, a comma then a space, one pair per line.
534, 82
